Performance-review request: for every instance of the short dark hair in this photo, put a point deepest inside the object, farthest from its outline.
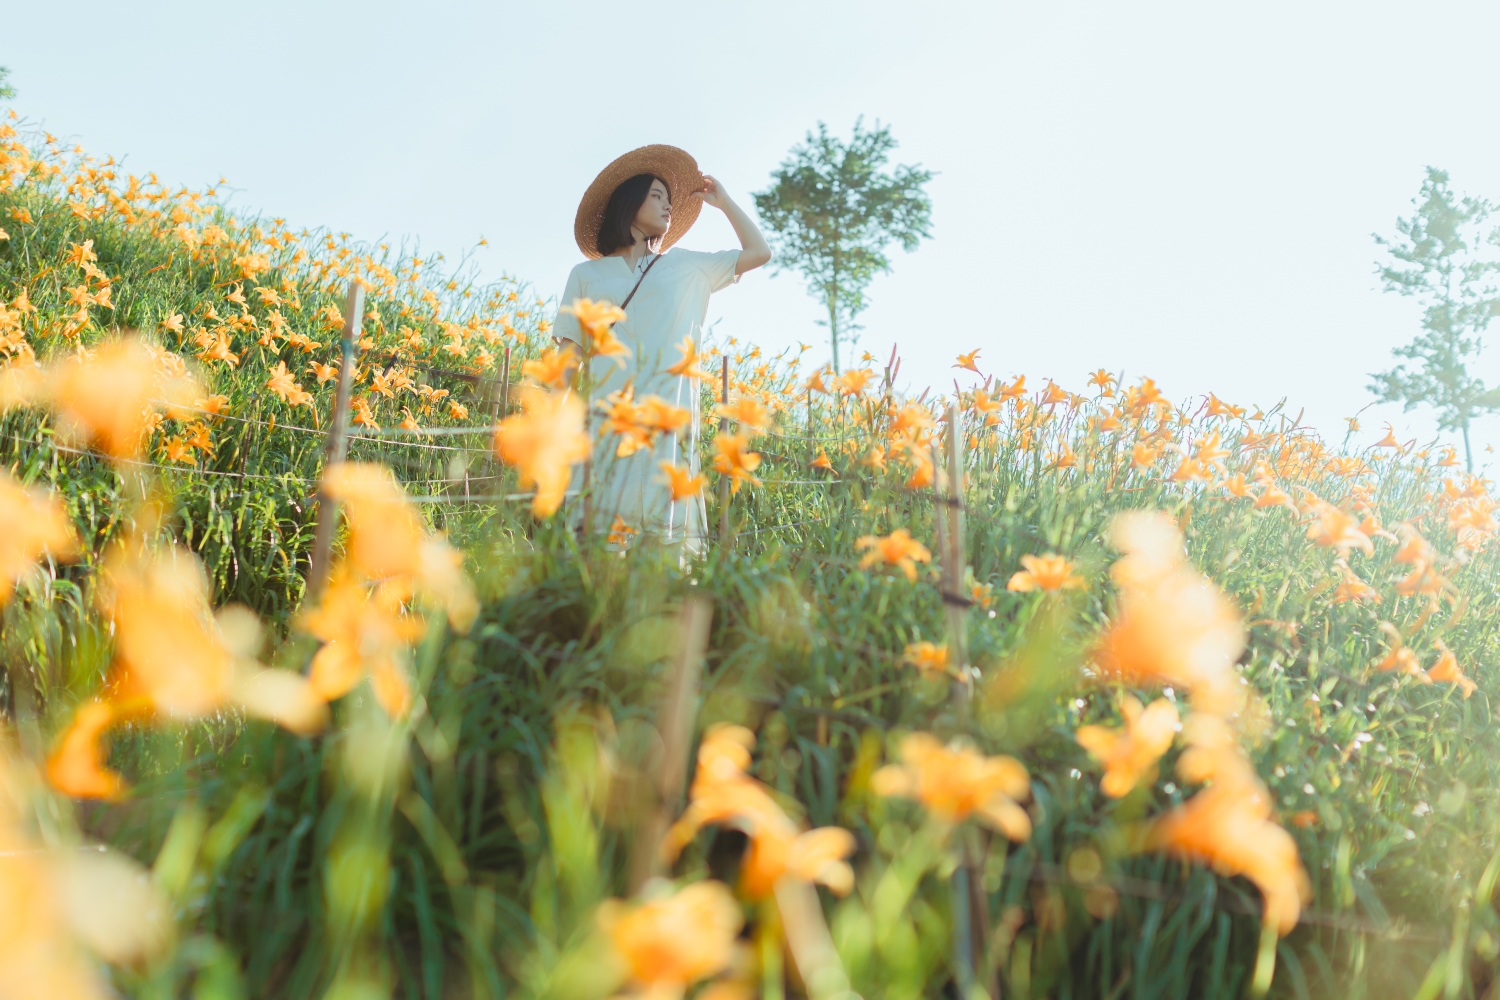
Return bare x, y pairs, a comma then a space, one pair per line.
619, 214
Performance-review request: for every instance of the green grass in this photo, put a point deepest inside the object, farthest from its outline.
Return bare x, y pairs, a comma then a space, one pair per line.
501, 832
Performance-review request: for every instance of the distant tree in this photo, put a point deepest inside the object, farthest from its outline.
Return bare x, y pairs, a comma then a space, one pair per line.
1438, 257
832, 212
6, 90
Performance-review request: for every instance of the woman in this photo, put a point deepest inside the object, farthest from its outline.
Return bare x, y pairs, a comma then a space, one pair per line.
625, 225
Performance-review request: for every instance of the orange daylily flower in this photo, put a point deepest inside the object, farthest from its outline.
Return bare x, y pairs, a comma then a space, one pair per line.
815, 383
109, 397
77, 767
667, 944
33, 524
1274, 496
554, 369
597, 320
682, 482
365, 634
1335, 528
926, 656
724, 794
1228, 824
875, 458
897, 549
325, 372
1446, 669
852, 382
1173, 626
967, 361
1352, 588
1450, 457
620, 533
1055, 394
544, 442
910, 420
822, 462
1236, 487
1129, 755
735, 460
1104, 380
956, 782
1047, 572
748, 412
1143, 456
174, 658
1389, 441
1015, 389
688, 366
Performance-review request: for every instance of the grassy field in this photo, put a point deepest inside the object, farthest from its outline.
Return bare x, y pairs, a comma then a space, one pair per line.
1323, 621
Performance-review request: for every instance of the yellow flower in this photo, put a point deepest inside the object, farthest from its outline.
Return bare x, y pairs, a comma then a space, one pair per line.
735, 460
927, 657
544, 442
1048, 572
1130, 755
33, 524
668, 944
682, 482
897, 549
956, 782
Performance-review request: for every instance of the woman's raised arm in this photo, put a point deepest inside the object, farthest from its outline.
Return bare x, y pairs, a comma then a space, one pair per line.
754, 249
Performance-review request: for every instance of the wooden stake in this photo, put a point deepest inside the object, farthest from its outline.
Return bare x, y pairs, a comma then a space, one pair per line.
724, 480
674, 723
955, 602
505, 386
337, 445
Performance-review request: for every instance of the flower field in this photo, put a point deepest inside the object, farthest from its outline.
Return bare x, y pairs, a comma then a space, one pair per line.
1013, 692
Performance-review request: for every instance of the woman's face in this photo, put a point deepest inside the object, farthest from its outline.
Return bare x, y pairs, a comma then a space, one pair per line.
655, 215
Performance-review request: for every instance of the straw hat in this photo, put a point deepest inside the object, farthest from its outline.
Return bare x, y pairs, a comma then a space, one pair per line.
673, 165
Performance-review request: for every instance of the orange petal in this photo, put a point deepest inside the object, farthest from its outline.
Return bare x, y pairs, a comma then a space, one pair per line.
77, 768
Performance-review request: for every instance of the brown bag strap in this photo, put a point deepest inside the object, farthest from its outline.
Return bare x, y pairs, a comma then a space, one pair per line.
638, 281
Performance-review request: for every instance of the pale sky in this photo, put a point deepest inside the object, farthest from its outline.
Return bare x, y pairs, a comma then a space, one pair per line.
1181, 190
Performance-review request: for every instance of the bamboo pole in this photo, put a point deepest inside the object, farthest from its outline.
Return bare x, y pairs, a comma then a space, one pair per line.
674, 723
724, 429
337, 444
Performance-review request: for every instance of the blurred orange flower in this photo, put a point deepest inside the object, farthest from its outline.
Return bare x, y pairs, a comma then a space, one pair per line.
926, 656
682, 482
365, 633
736, 460
688, 366
968, 361
1129, 755
1446, 669
667, 944
955, 782
1047, 572
897, 549
33, 524
544, 442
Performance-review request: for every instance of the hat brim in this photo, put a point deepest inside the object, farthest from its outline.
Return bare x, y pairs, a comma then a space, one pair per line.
673, 165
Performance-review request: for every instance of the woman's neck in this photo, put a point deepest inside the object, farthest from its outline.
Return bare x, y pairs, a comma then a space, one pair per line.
633, 253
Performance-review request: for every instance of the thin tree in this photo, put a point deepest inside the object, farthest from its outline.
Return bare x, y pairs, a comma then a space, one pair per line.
1438, 258
832, 212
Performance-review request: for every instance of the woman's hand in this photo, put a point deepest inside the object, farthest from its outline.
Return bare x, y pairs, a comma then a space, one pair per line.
755, 252
713, 193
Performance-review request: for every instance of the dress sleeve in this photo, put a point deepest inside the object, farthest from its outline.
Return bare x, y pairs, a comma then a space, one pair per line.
566, 324
718, 268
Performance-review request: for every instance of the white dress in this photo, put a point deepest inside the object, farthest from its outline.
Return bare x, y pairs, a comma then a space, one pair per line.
670, 305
